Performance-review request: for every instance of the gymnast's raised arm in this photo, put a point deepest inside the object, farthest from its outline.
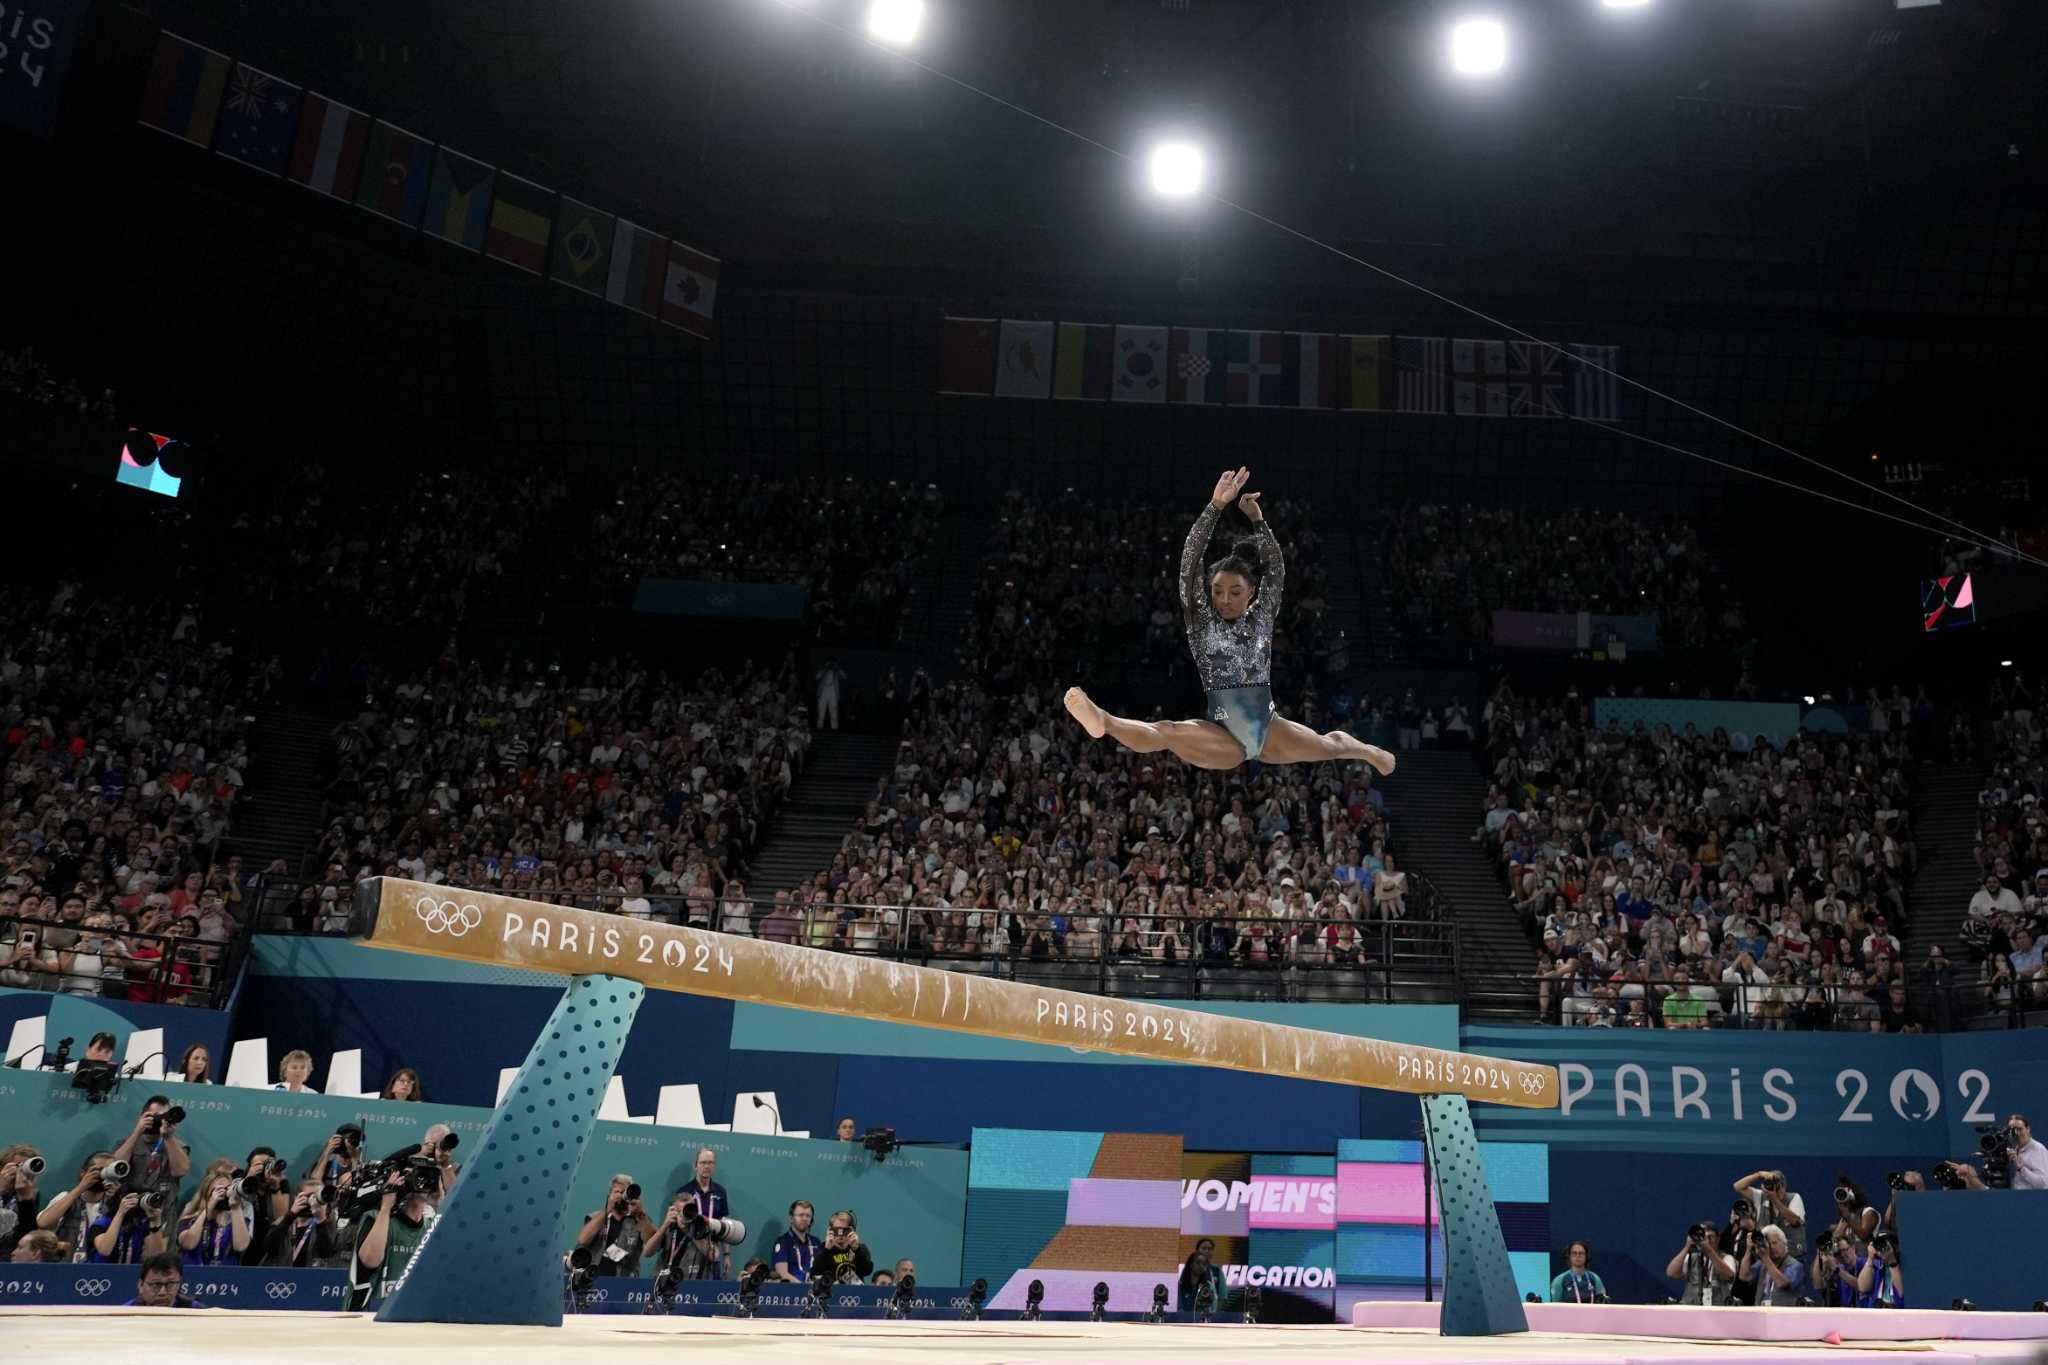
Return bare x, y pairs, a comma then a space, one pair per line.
1194, 586
1272, 564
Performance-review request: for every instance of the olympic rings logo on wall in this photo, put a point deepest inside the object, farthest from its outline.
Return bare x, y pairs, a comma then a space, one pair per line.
447, 917
280, 1289
92, 1289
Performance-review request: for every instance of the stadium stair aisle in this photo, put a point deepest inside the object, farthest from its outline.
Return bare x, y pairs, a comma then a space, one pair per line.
278, 814
1944, 825
837, 783
1435, 800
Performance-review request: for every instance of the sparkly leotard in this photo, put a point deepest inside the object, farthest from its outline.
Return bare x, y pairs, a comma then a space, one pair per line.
1234, 658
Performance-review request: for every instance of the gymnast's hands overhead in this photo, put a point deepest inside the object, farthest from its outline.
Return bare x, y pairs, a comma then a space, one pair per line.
1228, 485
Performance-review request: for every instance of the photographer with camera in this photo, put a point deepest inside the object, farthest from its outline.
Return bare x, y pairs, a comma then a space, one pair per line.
1854, 1215
796, 1250
2028, 1157
2013, 1159
692, 1242
159, 1160
1847, 1271
1740, 1236
19, 1167
213, 1228
72, 1212
617, 1232
131, 1230
341, 1153
269, 1193
1773, 1274
843, 1259
1578, 1284
305, 1237
1708, 1275
1201, 1279
1766, 1193
387, 1239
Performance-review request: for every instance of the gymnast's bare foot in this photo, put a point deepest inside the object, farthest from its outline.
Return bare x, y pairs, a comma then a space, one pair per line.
1087, 712
1382, 761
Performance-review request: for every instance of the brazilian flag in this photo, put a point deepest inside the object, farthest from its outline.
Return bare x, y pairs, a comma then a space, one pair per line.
583, 247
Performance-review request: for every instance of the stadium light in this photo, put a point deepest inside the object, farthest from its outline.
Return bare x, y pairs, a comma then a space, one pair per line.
1176, 169
1479, 47
896, 21
1625, 4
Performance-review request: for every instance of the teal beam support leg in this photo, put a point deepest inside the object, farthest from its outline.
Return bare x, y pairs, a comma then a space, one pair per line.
490, 1257
1480, 1299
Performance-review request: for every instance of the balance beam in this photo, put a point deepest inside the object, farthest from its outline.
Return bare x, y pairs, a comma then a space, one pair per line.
504, 931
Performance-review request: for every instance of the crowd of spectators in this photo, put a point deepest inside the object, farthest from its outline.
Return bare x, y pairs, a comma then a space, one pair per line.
1451, 568
124, 730
602, 787
1069, 584
1688, 880
2008, 913
1002, 831
858, 546
22, 375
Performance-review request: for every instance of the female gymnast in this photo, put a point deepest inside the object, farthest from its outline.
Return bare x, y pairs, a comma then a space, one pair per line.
1230, 619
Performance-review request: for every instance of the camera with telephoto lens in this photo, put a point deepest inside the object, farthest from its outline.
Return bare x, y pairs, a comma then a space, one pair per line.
1846, 1192
153, 1126
422, 1176
1885, 1243
1995, 1144
1697, 1233
1948, 1175
880, 1141
624, 1201
99, 1080
1896, 1180
1774, 1183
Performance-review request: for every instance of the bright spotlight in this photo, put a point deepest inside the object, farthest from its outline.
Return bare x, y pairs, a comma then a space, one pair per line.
1625, 4
1479, 47
896, 21
1176, 169
2005, 663
1808, 700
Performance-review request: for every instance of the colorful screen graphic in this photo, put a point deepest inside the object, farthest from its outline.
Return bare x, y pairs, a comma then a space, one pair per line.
1385, 1210
1947, 602
144, 455
1072, 1209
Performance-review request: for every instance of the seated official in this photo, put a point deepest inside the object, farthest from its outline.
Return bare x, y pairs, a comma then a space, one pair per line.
1578, 1284
161, 1283
796, 1250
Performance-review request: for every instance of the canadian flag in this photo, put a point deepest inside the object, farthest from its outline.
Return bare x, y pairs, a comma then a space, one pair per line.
691, 291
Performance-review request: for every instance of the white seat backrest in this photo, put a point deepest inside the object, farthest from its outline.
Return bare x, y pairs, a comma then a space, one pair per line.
680, 1106
505, 1078
145, 1043
28, 1033
614, 1106
249, 1064
345, 1073
748, 1117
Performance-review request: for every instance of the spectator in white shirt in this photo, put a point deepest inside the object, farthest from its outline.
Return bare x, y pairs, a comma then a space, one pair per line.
1993, 899
635, 904
735, 915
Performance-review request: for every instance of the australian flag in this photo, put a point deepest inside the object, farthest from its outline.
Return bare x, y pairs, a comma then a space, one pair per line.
258, 119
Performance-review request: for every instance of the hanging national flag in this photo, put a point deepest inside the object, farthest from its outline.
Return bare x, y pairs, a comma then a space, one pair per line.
1082, 368
1194, 365
458, 200
691, 292
521, 215
1259, 373
1419, 374
328, 153
967, 356
1024, 359
639, 269
1594, 396
398, 169
186, 82
583, 246
1314, 356
1364, 374
257, 119
1479, 378
1535, 380
1140, 365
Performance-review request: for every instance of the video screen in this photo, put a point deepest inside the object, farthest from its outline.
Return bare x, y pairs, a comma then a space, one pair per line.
144, 455
1947, 602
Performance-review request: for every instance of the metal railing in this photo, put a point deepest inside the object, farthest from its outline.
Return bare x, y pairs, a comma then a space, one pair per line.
1316, 956
113, 964
1601, 1002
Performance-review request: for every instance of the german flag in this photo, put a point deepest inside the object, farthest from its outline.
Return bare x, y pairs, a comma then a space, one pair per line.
522, 220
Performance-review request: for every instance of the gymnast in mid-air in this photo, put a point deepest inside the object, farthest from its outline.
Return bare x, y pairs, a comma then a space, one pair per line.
1230, 608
